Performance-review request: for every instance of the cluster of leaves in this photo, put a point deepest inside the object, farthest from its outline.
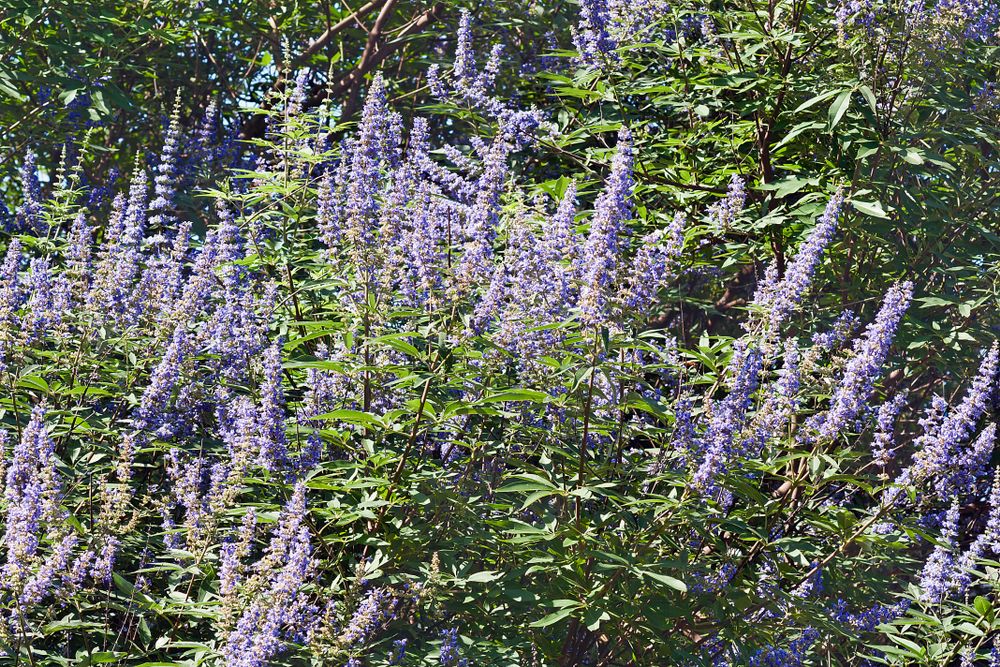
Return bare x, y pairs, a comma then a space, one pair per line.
403, 399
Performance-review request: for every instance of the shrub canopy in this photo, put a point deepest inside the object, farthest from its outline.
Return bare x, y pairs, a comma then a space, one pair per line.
550, 334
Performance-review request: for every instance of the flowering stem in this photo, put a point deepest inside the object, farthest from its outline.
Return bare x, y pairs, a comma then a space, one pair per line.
24, 638
413, 432
582, 466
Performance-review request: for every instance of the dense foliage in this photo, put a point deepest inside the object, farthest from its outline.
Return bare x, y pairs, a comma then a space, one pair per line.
663, 335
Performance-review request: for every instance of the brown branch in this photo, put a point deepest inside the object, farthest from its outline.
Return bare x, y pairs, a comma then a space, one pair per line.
374, 35
254, 127
354, 76
333, 30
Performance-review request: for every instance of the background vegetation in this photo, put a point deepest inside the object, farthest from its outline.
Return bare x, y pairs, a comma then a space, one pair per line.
515, 334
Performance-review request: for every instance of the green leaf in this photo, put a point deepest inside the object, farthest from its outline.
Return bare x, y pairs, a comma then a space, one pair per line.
872, 208
934, 301
914, 648
839, 108
815, 100
553, 618
33, 382
538, 495
869, 96
516, 395
396, 342
529, 482
672, 582
7, 89
793, 185
351, 417
593, 618
970, 629
69, 624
